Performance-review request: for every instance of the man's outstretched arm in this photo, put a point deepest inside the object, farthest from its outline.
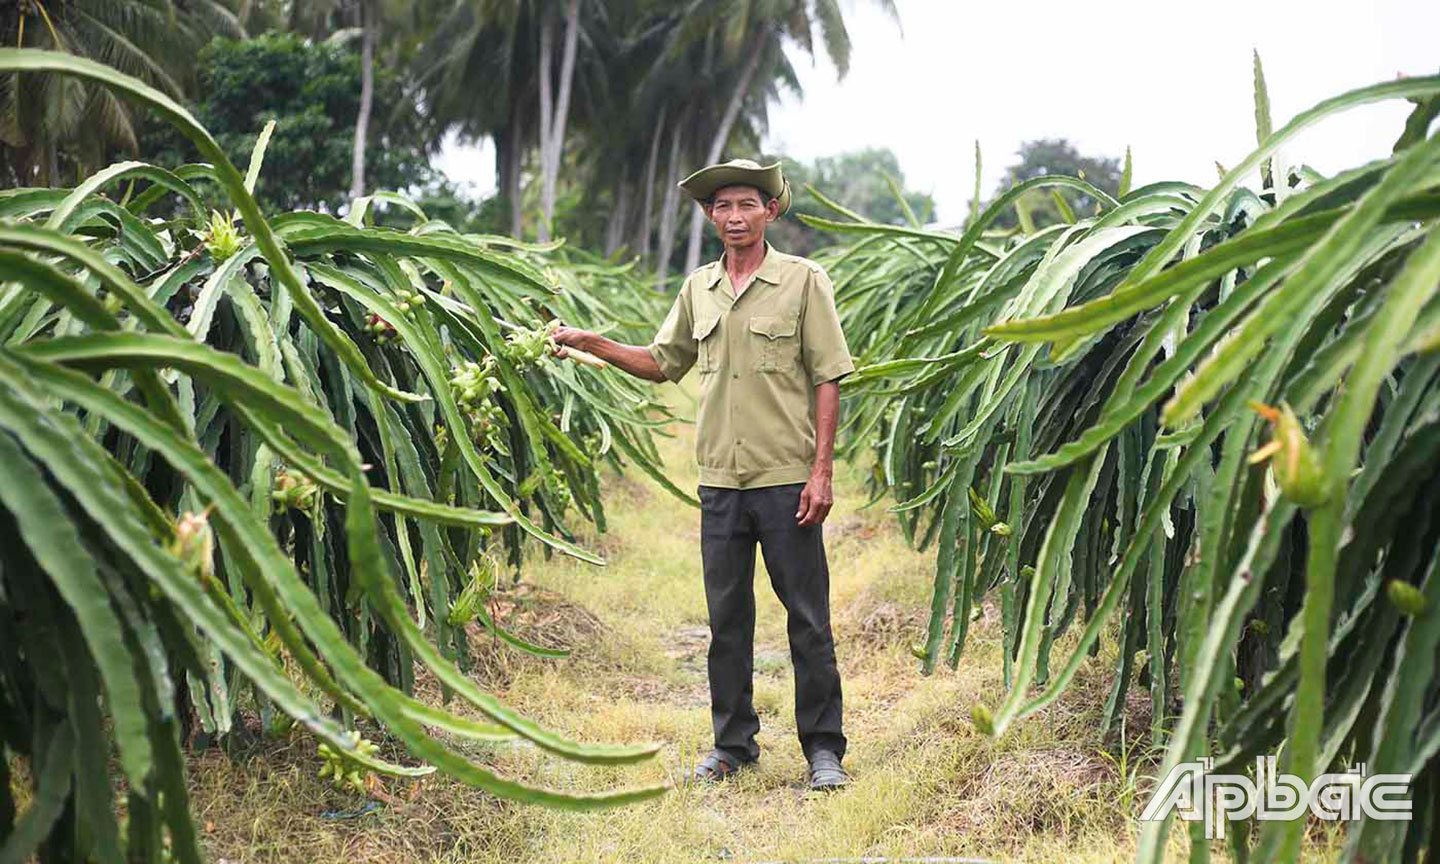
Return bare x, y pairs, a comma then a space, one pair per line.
634, 359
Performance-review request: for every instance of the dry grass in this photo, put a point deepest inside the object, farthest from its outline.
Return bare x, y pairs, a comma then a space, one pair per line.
925, 782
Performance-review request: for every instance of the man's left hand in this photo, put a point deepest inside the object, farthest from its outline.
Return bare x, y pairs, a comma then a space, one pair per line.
816, 499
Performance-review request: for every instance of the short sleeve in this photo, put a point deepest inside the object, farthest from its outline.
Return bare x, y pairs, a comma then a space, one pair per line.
826, 356
674, 347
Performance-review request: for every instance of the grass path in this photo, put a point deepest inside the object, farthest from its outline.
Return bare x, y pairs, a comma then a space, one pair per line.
926, 784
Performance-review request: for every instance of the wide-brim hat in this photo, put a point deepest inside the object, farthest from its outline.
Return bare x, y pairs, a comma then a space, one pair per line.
739, 172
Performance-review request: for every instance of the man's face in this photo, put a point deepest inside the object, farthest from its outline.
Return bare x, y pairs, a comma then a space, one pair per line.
740, 214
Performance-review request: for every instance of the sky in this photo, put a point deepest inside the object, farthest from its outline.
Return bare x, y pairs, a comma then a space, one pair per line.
1172, 80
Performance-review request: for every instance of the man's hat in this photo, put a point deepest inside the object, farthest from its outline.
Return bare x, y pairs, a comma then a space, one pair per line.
739, 172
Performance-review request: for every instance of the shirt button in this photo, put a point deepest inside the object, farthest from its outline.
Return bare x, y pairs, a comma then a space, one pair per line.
734, 374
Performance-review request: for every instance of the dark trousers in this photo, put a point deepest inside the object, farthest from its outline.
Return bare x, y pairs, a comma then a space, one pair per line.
732, 521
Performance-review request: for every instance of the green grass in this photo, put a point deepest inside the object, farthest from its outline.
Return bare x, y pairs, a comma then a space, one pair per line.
925, 782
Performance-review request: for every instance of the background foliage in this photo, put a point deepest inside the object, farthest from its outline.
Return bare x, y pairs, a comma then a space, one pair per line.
311, 91
1055, 156
595, 107
56, 129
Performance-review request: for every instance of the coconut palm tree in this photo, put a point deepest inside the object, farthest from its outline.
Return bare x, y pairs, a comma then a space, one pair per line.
703, 77
509, 68
652, 87
622, 125
754, 34
45, 116
479, 77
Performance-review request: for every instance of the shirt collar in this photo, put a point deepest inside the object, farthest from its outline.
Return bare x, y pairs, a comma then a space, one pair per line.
769, 267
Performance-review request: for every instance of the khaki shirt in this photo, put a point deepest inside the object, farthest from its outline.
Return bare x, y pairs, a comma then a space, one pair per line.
760, 358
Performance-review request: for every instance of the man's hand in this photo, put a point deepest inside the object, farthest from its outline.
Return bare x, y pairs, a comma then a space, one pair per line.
595, 350
572, 337
816, 499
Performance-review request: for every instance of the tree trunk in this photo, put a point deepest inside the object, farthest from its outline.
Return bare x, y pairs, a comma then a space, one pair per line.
619, 216
554, 112
514, 162
367, 97
547, 109
717, 147
650, 164
48, 163
562, 102
666, 239
503, 138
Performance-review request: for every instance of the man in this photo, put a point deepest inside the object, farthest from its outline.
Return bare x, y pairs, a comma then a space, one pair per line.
762, 330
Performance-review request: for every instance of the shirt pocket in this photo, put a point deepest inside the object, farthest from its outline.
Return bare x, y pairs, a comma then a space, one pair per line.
776, 347
704, 334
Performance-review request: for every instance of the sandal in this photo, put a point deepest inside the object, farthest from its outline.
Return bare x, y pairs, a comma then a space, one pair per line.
825, 772
717, 766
